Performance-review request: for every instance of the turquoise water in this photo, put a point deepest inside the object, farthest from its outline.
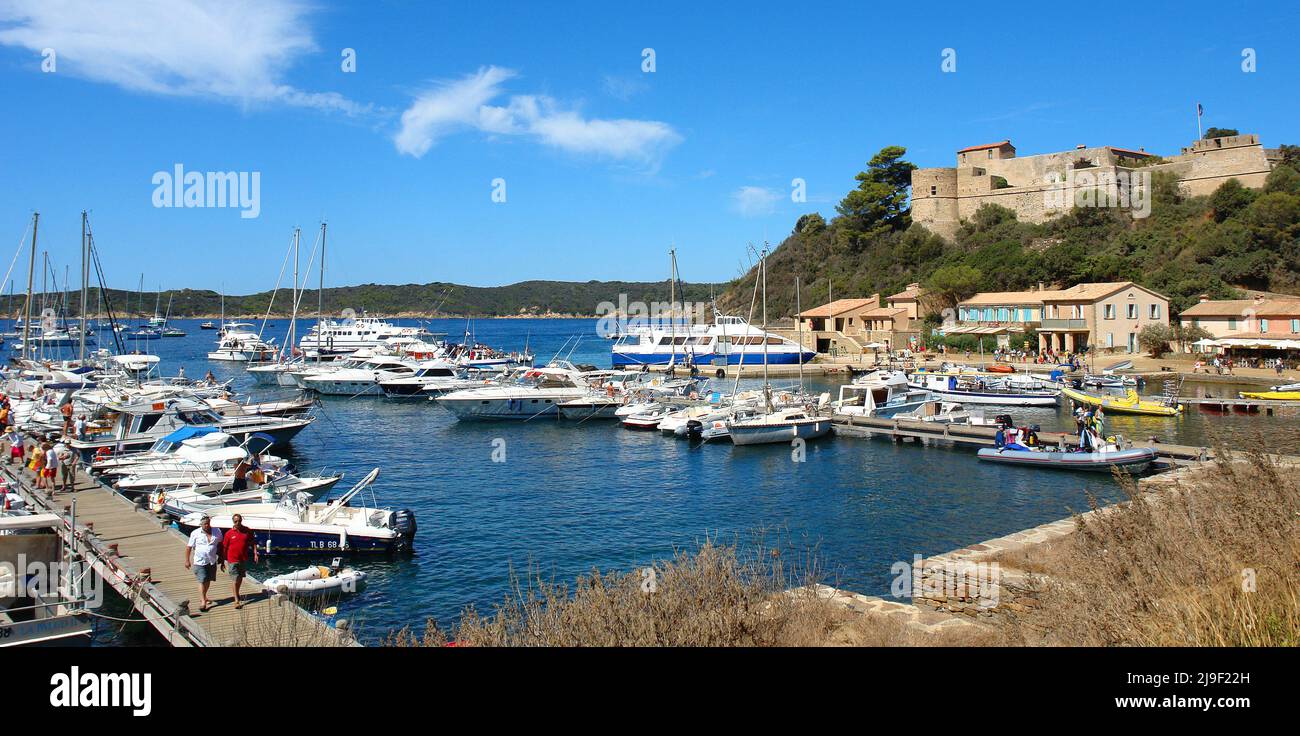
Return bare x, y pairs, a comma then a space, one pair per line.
571, 498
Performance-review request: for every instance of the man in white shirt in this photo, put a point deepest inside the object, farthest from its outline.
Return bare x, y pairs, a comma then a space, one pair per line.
202, 553
52, 467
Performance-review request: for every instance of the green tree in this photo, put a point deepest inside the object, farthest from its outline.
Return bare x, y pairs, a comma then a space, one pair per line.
880, 202
1155, 338
810, 224
1283, 179
1186, 335
951, 284
1229, 199
1219, 132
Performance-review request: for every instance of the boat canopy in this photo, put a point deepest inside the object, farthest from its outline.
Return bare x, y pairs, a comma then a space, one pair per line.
185, 433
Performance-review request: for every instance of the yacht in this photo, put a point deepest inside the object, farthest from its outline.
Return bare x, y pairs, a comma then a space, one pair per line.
523, 394
360, 380
138, 424
333, 337
780, 425
880, 394
430, 378
240, 345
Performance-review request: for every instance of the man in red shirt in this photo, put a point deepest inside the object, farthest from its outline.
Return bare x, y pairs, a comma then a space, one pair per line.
238, 546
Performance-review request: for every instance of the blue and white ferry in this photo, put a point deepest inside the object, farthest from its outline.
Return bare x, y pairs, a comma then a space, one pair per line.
727, 341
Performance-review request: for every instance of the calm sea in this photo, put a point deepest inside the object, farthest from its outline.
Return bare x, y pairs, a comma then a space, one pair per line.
571, 498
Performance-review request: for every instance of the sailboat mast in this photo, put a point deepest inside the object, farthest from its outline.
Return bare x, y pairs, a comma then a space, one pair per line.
320, 296
767, 387
799, 322
672, 296
31, 273
85, 279
293, 316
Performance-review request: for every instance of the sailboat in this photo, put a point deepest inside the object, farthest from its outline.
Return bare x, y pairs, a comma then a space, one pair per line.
771, 423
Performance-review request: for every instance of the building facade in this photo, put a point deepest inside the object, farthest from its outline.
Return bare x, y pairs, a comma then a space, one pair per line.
1105, 316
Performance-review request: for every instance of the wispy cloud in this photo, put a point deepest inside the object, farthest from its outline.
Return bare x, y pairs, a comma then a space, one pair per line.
754, 201
462, 104
622, 87
235, 51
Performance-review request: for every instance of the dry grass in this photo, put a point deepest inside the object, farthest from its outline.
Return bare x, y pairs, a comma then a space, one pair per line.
1171, 569
712, 596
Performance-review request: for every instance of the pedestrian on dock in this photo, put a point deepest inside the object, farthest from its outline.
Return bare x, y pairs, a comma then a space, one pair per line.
37, 464
202, 552
51, 472
238, 546
15, 440
67, 465
66, 411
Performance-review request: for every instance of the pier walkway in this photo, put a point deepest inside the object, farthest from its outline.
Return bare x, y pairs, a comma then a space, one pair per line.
142, 557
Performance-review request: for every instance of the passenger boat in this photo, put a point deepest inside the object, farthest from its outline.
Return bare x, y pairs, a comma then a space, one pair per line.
968, 388
1129, 460
297, 525
1130, 403
728, 340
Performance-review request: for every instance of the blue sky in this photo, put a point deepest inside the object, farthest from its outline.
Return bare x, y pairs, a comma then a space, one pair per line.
604, 165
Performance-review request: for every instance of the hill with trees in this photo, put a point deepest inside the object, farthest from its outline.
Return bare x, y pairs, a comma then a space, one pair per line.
1236, 238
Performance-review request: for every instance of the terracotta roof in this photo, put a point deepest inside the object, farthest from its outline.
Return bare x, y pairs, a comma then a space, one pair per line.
1095, 291
1245, 307
987, 145
913, 291
1219, 308
880, 312
1007, 298
1278, 307
839, 306
1256, 335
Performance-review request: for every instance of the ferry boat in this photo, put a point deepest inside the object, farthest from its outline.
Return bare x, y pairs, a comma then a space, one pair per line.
728, 340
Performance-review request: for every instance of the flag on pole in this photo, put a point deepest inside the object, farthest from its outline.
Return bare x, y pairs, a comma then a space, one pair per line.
1199, 110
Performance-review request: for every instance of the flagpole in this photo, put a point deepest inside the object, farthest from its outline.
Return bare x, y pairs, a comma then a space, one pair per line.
1199, 134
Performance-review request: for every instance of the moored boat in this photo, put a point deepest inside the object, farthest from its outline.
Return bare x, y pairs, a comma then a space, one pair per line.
1129, 460
1130, 403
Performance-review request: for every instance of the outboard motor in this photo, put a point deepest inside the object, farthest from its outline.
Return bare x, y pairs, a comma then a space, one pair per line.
694, 428
403, 522
1004, 420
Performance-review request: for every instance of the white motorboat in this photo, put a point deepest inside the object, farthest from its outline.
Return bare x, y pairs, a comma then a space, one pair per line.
205, 472
999, 390
879, 394
524, 394
296, 525
648, 419
362, 380
181, 500
240, 345
429, 378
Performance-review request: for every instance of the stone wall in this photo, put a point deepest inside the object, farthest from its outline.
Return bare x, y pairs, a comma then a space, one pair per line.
942, 197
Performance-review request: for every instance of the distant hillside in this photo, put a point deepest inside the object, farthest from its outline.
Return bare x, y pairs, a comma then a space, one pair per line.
438, 299
1233, 239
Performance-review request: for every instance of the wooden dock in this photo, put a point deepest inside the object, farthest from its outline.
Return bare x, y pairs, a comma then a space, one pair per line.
910, 429
141, 556
1243, 406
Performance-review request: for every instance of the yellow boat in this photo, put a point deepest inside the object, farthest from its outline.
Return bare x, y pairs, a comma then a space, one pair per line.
1271, 395
1129, 404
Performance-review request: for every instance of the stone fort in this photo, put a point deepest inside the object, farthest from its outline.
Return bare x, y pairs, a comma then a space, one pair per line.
1042, 186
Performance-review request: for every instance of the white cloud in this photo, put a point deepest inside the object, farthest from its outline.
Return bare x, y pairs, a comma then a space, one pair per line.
622, 87
233, 51
754, 201
462, 104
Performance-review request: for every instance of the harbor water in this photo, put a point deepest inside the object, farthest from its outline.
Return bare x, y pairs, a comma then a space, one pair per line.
561, 498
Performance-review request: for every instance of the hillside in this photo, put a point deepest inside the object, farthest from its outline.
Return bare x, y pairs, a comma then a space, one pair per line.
438, 299
1236, 238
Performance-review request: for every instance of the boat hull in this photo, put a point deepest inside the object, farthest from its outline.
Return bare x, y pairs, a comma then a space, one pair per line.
1036, 398
1122, 405
622, 359
766, 434
1132, 460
